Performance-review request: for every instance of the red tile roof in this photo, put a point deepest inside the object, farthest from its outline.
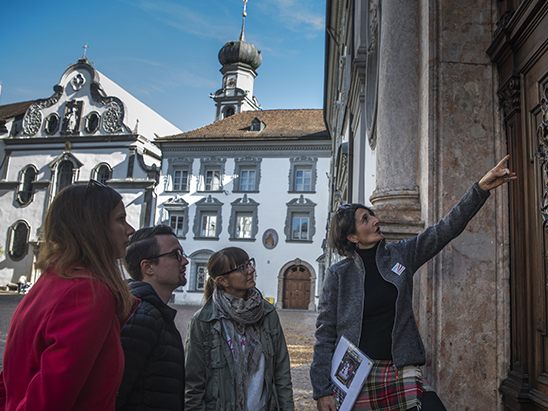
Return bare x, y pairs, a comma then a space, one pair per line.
278, 124
14, 109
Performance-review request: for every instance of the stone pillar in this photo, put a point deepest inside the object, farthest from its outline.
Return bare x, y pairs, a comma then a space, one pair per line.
396, 197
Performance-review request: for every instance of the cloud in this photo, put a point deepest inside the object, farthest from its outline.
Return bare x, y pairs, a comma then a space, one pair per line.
156, 77
185, 19
299, 15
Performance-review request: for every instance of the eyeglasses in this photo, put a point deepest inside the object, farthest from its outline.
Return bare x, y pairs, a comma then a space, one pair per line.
242, 267
177, 254
345, 206
94, 183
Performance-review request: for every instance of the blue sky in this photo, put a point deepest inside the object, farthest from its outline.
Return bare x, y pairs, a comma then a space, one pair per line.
164, 52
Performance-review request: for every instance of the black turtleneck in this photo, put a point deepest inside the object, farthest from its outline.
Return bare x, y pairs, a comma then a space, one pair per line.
379, 310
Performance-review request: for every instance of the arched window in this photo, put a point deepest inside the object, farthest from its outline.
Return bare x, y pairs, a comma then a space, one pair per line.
18, 236
229, 111
64, 175
27, 178
103, 173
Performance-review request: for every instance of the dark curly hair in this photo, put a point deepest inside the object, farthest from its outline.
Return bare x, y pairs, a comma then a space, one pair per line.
343, 224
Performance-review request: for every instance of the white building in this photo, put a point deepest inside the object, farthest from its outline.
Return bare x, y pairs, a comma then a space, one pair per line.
256, 180
89, 128
252, 179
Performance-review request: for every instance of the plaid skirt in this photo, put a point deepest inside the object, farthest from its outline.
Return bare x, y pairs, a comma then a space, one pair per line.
390, 389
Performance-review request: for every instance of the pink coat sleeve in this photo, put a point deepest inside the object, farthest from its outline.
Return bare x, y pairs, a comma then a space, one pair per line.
75, 334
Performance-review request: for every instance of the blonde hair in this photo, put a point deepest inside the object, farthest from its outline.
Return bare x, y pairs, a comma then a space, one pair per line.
77, 234
221, 262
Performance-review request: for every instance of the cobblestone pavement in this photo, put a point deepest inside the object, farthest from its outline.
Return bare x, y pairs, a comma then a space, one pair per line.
298, 328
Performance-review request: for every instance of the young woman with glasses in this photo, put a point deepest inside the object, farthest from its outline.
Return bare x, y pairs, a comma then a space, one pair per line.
367, 297
63, 348
236, 355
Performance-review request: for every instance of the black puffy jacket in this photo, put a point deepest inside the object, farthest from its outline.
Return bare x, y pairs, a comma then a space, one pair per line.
154, 374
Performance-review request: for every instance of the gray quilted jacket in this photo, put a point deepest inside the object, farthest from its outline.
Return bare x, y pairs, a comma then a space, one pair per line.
342, 298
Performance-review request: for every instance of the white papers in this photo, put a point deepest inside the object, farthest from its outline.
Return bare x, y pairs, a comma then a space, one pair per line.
349, 370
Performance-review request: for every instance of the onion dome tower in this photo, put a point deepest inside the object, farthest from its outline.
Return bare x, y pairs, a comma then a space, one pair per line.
239, 60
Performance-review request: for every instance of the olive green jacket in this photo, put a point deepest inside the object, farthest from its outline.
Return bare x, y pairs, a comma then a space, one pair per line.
209, 363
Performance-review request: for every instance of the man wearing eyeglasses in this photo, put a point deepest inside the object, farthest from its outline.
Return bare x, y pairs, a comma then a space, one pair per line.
154, 375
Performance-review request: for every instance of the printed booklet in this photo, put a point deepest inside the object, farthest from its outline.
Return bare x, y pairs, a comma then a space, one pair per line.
349, 370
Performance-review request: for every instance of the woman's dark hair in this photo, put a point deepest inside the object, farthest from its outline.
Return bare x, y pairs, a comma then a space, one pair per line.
77, 234
143, 244
343, 224
220, 263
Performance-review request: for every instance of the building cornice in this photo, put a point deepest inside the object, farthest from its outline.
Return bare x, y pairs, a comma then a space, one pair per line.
268, 150
70, 139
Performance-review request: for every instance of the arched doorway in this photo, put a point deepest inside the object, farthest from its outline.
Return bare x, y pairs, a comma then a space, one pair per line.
296, 287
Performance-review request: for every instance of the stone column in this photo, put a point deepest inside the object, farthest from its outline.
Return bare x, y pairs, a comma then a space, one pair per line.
396, 197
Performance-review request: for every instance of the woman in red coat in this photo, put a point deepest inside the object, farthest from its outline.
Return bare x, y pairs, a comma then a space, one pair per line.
63, 349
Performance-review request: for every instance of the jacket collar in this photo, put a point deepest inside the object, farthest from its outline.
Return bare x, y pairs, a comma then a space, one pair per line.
145, 292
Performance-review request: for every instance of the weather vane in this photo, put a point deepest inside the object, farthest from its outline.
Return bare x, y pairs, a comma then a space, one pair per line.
244, 14
85, 47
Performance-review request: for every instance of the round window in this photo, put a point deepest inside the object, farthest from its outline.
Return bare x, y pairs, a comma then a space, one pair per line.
92, 122
52, 124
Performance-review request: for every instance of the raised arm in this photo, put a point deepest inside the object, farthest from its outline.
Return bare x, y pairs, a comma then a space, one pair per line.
497, 176
432, 240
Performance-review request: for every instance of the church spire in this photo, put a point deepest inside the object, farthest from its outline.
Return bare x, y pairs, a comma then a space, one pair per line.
244, 15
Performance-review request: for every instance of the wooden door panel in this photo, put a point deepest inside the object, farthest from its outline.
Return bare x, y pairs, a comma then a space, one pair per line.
296, 288
536, 100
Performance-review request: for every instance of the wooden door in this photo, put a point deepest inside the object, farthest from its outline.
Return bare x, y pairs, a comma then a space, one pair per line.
296, 287
520, 51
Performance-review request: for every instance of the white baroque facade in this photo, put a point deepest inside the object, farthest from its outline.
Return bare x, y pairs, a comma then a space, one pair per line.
89, 128
255, 180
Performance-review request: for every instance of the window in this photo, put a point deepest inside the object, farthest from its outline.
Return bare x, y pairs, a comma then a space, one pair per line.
247, 180
103, 173
244, 222
303, 179
177, 215
64, 170
207, 220
247, 174
91, 124
176, 221
18, 235
26, 178
52, 124
256, 125
198, 270
180, 174
212, 180
201, 276
208, 227
229, 111
243, 225
300, 222
180, 179
211, 173
299, 226
65, 174
302, 175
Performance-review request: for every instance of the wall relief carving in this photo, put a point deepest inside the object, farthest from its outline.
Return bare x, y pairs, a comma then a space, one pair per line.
372, 69
33, 117
542, 151
509, 96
